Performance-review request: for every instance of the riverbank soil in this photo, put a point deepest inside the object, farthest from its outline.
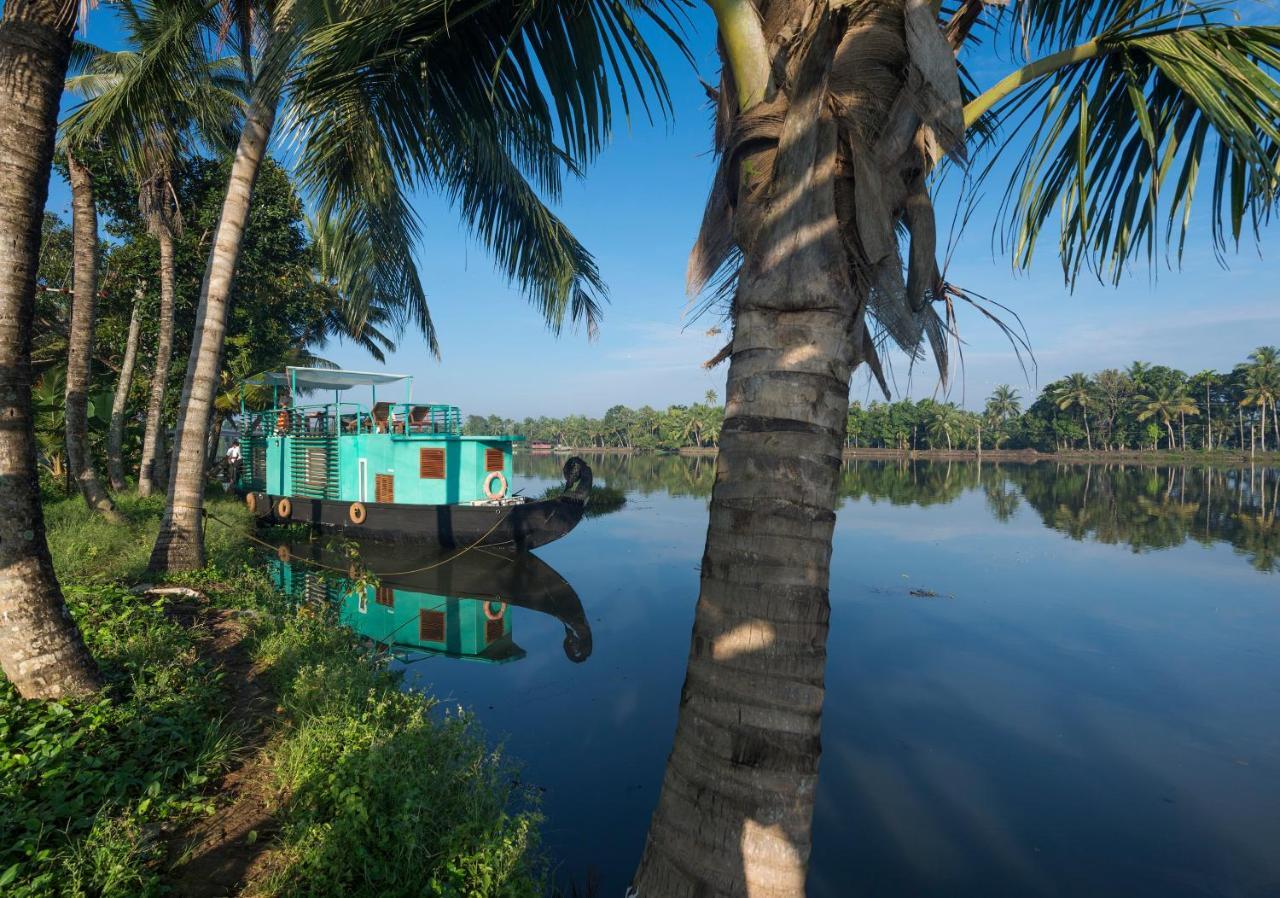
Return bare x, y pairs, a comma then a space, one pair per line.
221, 854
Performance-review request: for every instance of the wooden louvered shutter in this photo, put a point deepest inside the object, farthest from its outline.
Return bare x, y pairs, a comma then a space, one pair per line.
384, 488
430, 626
385, 596
431, 464
493, 460
493, 630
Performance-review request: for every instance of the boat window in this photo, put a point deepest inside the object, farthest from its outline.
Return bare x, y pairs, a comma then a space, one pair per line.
385, 596
430, 626
493, 630
431, 464
493, 460
384, 488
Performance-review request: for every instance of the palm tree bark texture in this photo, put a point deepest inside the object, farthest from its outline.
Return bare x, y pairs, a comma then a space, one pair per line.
120, 402
180, 544
149, 480
84, 302
41, 651
830, 117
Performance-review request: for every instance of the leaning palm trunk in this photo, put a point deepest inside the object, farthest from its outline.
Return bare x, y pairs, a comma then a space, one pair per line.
180, 545
120, 402
84, 301
149, 475
817, 171
40, 648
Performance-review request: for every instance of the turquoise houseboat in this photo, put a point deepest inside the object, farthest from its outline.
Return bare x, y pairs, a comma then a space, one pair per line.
462, 609
389, 469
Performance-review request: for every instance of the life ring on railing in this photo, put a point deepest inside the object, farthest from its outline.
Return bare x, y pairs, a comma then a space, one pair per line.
495, 615
356, 513
284, 508
499, 493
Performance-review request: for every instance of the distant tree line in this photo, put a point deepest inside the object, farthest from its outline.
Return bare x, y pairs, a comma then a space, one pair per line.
676, 427
1141, 407
1144, 406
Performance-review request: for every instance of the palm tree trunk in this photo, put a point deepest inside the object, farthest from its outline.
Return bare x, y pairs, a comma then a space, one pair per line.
149, 475
41, 651
1208, 420
1262, 443
180, 544
120, 402
1088, 440
1169, 426
734, 815
84, 301
211, 447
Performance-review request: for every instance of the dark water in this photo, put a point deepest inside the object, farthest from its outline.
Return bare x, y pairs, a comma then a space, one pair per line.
1084, 701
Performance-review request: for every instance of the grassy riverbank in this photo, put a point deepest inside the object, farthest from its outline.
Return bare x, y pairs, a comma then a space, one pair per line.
365, 790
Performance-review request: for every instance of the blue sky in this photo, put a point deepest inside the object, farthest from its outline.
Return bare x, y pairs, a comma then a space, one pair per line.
638, 208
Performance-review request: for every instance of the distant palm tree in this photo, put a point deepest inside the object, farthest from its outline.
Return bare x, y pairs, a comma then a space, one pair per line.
1077, 391
1264, 374
1004, 403
1261, 389
942, 424
1208, 378
1166, 403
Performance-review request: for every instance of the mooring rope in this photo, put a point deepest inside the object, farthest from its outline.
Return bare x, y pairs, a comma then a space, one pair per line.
348, 572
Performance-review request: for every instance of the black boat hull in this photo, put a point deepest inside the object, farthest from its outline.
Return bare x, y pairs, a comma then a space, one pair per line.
519, 527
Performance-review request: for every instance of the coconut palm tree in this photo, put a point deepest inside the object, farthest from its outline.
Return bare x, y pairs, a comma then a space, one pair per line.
1076, 391
84, 302
1264, 369
1261, 389
1208, 378
1004, 403
41, 650
829, 120
120, 402
1166, 403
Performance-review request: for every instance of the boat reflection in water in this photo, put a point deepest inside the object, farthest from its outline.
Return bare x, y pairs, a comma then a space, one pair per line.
416, 604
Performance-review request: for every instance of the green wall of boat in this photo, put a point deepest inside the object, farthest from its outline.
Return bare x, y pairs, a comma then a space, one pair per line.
398, 455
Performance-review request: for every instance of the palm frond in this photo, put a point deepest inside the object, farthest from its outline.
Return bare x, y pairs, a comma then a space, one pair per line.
492, 103
1117, 140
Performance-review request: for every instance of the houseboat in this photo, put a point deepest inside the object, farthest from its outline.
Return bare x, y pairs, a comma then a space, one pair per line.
392, 470
417, 607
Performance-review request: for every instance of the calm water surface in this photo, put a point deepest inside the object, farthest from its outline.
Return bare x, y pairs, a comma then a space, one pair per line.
1043, 680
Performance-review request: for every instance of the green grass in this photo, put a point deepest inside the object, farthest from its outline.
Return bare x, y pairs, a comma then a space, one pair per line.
381, 793
387, 799
88, 549
85, 786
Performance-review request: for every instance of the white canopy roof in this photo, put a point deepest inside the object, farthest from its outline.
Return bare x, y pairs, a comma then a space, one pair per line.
323, 379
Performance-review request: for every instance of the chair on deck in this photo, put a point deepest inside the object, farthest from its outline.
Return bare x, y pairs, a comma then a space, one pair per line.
420, 418
381, 412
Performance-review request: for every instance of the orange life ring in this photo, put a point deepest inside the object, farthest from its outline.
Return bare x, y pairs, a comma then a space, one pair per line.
251, 502
356, 513
491, 614
258, 504
501, 491
284, 508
